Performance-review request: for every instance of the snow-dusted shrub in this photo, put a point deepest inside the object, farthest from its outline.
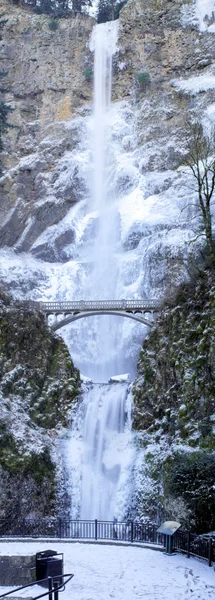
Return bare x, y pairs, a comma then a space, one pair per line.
190, 478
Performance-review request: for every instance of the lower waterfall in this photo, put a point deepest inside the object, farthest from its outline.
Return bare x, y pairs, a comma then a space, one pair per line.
99, 453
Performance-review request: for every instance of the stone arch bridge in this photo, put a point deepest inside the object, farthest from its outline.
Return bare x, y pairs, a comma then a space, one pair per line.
74, 310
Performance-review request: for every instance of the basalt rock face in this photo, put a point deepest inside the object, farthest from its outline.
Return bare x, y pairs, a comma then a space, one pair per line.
38, 387
45, 84
48, 83
153, 39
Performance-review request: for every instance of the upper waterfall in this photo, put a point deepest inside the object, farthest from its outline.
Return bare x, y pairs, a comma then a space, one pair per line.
104, 45
102, 282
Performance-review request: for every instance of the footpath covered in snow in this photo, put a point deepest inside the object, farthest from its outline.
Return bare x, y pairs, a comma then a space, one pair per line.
105, 572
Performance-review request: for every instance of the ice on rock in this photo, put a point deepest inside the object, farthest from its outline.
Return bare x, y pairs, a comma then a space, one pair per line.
194, 85
120, 378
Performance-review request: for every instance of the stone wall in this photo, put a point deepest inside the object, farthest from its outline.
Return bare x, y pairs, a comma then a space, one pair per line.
17, 570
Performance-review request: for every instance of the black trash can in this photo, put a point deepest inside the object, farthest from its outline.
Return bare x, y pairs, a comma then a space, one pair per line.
49, 564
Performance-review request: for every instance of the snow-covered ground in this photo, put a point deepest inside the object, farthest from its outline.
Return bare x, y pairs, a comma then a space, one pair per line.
125, 573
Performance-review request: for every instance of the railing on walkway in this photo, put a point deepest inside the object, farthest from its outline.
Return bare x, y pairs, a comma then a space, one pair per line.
54, 585
195, 545
128, 531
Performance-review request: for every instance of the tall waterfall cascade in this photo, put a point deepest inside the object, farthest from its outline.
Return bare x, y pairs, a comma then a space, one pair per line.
99, 451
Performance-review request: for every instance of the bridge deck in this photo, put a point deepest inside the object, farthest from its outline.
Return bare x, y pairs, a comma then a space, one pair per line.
92, 305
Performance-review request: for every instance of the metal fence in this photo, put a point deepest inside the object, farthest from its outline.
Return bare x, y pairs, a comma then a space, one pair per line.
195, 545
128, 531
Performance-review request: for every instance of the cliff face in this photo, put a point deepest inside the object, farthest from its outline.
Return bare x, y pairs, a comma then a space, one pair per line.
174, 391
45, 84
48, 83
38, 387
156, 37
174, 408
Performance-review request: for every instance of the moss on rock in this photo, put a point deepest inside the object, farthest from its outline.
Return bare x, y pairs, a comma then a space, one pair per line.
174, 392
174, 407
38, 386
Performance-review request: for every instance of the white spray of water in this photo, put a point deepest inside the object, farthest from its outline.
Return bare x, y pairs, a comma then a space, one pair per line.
101, 430
106, 454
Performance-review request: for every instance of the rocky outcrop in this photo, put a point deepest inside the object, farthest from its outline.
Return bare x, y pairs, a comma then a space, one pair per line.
175, 389
154, 38
38, 387
174, 407
48, 83
45, 83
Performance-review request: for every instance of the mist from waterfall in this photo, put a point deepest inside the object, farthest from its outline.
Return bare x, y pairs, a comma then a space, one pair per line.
100, 445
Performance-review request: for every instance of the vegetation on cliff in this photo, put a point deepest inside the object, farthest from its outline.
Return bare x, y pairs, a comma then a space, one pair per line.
38, 386
57, 8
174, 402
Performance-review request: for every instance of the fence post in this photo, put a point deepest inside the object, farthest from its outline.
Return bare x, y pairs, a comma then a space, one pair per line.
132, 531
50, 583
188, 544
96, 532
56, 584
210, 548
60, 530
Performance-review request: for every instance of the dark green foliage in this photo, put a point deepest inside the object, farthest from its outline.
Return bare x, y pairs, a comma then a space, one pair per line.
57, 8
192, 478
175, 389
2, 24
118, 7
39, 466
105, 11
108, 10
33, 474
5, 109
38, 386
143, 81
88, 73
39, 367
53, 24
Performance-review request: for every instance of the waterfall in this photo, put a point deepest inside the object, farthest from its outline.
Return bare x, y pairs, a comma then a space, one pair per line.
103, 278
100, 450
99, 453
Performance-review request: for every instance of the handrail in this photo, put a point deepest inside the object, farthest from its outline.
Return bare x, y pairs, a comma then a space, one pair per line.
92, 304
49, 592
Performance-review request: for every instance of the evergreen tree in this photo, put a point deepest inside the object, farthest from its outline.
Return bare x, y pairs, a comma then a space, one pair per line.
5, 109
108, 10
56, 8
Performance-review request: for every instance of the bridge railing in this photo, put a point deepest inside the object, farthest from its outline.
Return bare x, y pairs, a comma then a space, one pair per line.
89, 305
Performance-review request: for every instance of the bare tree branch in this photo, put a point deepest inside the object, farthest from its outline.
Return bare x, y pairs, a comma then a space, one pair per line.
200, 159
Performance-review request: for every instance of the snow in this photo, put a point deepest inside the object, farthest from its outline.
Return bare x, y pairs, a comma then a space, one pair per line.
196, 84
204, 12
120, 378
85, 379
105, 572
199, 13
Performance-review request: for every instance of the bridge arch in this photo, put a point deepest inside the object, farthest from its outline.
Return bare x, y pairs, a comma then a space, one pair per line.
71, 318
